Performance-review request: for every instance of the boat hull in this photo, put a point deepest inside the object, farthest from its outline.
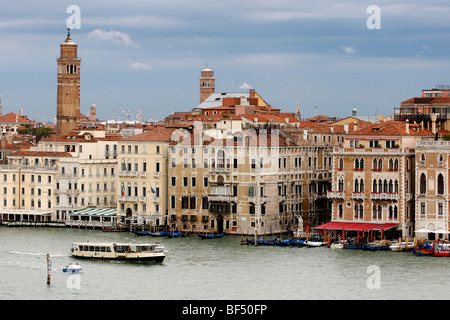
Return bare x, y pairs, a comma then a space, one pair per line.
155, 258
210, 235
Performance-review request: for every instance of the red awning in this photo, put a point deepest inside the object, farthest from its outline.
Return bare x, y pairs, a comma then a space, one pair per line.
355, 226
386, 226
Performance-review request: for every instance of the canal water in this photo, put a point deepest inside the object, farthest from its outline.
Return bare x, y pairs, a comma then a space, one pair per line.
215, 269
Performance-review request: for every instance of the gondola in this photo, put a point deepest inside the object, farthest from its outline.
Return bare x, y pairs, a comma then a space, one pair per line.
210, 235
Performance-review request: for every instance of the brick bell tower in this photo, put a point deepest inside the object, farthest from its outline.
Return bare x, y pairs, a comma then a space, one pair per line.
207, 83
68, 93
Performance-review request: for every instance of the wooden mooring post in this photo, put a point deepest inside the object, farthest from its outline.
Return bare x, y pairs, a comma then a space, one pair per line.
49, 268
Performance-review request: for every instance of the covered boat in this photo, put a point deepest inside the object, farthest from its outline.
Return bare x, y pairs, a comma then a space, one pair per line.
210, 235
119, 251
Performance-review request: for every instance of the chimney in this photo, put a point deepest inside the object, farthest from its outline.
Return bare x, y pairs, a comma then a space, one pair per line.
407, 127
355, 126
252, 93
381, 117
433, 123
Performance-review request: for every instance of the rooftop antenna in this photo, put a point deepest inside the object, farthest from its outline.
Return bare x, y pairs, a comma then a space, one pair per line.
315, 110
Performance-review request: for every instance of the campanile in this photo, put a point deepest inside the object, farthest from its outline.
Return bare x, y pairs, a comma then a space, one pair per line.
207, 83
68, 93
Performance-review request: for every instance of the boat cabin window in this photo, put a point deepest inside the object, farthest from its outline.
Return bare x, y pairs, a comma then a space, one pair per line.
121, 248
94, 248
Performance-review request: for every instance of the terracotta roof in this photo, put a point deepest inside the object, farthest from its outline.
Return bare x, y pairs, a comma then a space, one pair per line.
155, 133
41, 154
393, 128
427, 100
269, 117
11, 117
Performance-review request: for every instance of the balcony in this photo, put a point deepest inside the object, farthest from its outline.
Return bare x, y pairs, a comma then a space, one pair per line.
358, 195
336, 195
222, 198
127, 198
155, 199
142, 199
128, 173
383, 196
156, 174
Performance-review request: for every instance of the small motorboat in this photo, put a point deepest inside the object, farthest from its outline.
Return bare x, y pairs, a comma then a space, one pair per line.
338, 245
402, 247
314, 243
442, 249
425, 248
378, 245
72, 268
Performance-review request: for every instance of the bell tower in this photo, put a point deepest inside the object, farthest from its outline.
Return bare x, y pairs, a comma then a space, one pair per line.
207, 83
68, 93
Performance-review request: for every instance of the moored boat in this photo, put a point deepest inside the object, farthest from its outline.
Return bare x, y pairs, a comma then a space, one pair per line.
378, 245
425, 248
442, 249
315, 243
403, 246
119, 251
338, 244
210, 235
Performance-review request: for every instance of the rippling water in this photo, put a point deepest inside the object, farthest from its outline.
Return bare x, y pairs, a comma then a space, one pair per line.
214, 269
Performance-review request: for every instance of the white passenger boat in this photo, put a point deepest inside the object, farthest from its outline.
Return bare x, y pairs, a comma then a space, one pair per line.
119, 251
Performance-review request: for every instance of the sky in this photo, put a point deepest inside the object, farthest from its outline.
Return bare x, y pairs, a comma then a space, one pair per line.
146, 55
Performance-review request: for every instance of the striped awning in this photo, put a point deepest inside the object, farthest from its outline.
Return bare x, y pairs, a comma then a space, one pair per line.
95, 212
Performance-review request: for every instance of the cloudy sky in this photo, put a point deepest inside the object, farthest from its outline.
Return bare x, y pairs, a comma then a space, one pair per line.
149, 53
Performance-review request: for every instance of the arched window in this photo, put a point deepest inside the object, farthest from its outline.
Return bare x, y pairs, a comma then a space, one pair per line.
361, 185
380, 213
423, 184
391, 164
193, 202
361, 164
396, 186
385, 186
380, 164
356, 185
356, 163
341, 210
380, 186
341, 163
341, 185
375, 164
440, 184
395, 213
356, 211
391, 187
172, 202
129, 190
396, 164
361, 212
440, 160
374, 186
391, 212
